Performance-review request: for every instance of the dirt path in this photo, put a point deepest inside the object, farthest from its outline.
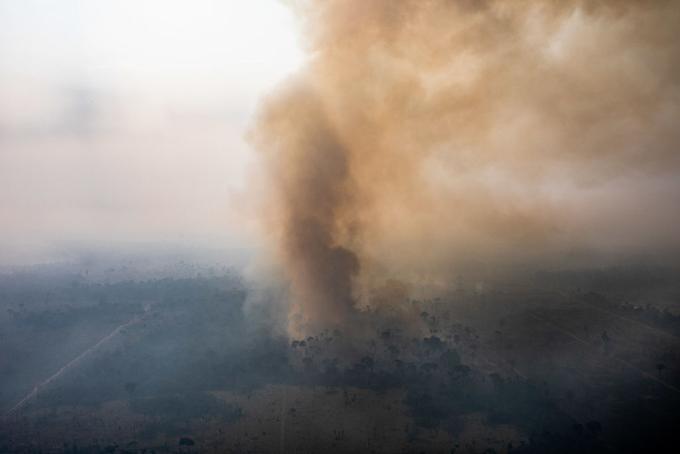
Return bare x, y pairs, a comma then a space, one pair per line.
74, 362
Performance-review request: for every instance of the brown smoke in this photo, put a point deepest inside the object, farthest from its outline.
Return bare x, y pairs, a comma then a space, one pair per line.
427, 138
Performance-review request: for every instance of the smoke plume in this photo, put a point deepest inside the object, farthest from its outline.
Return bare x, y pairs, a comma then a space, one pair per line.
427, 139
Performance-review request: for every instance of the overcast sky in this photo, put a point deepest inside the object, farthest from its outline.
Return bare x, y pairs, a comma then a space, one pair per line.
124, 120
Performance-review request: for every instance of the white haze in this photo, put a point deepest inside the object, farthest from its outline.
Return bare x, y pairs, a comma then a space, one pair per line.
123, 121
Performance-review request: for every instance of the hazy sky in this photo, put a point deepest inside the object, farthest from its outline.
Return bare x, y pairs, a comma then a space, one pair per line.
534, 128
125, 120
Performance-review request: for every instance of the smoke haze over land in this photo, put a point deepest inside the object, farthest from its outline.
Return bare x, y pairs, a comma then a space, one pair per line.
426, 140
386, 226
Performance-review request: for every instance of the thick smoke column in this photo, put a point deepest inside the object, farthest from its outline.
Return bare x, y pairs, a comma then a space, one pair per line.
311, 170
429, 138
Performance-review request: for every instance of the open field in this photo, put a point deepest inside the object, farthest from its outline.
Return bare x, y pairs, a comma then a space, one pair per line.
178, 365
